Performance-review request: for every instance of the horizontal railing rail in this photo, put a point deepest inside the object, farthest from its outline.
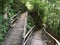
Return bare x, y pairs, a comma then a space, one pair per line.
29, 33
14, 18
57, 42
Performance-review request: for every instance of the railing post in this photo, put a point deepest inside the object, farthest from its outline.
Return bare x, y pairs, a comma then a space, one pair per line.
14, 18
25, 24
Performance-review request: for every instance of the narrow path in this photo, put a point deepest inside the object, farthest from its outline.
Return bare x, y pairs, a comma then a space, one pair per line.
37, 39
15, 35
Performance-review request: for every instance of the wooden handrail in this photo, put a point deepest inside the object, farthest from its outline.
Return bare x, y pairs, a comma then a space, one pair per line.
28, 35
29, 31
25, 26
15, 15
13, 18
52, 37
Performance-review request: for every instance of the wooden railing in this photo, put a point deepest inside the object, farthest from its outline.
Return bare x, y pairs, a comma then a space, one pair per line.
28, 34
14, 18
25, 26
55, 40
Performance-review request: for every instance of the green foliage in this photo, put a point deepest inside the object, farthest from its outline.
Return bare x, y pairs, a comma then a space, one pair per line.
30, 23
4, 25
11, 13
1, 37
11, 7
52, 18
49, 10
1, 18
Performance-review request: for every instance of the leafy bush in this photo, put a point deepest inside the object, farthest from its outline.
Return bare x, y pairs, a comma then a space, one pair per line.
49, 10
10, 13
30, 23
1, 37
52, 19
4, 26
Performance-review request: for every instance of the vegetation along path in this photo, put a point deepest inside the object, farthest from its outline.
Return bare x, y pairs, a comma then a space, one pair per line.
15, 35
